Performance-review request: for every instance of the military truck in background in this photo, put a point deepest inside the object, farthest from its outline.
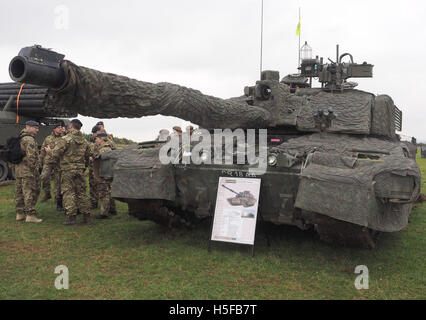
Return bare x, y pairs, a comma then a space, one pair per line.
334, 160
32, 106
423, 151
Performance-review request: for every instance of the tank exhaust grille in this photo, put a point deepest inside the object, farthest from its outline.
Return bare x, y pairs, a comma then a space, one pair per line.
398, 119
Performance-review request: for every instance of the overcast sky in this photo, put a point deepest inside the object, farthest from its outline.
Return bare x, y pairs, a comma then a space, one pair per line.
214, 46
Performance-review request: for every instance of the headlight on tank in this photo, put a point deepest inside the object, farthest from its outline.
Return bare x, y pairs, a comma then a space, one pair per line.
272, 160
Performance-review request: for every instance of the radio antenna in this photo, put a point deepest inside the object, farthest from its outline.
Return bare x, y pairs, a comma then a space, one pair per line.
298, 34
261, 39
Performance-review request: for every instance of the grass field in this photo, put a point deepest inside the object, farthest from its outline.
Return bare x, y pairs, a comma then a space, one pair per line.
124, 258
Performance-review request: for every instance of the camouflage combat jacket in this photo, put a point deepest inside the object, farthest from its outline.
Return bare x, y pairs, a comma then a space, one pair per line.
111, 140
30, 163
51, 141
107, 146
72, 151
92, 147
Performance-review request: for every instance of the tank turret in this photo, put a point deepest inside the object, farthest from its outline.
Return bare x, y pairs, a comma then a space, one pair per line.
268, 104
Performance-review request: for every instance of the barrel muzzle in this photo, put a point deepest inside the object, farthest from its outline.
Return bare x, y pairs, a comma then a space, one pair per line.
39, 66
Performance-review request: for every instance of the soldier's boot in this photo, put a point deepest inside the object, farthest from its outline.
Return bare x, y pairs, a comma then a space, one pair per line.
59, 206
20, 217
113, 209
72, 220
101, 216
46, 197
33, 218
86, 218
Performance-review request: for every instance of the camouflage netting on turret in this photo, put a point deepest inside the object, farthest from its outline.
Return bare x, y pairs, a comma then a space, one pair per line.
383, 123
341, 179
105, 95
352, 109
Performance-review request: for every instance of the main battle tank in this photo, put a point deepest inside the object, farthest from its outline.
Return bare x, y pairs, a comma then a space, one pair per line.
333, 160
32, 106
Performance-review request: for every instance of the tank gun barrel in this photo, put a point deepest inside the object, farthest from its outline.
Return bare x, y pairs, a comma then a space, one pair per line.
104, 95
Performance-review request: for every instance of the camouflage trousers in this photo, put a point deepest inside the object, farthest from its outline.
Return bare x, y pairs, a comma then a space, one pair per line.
94, 197
74, 196
51, 171
107, 203
27, 190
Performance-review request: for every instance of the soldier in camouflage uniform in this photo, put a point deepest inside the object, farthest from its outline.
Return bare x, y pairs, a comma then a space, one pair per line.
92, 181
51, 168
100, 128
27, 175
104, 185
110, 137
73, 152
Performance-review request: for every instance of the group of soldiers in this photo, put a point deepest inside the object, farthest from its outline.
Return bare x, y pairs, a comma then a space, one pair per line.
164, 134
63, 158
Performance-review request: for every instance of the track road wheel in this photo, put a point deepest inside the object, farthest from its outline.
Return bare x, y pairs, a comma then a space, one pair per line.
342, 233
157, 211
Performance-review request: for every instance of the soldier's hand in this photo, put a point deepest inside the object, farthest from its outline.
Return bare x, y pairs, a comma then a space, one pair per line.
47, 148
91, 159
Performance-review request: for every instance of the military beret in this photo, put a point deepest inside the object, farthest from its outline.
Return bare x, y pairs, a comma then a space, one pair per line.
100, 123
177, 128
95, 129
57, 125
77, 122
32, 123
101, 134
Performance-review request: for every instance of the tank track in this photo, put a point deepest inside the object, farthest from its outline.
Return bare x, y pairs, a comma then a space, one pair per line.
331, 231
336, 232
158, 212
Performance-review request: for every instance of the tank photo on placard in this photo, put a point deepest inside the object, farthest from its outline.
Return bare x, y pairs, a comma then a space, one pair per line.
245, 198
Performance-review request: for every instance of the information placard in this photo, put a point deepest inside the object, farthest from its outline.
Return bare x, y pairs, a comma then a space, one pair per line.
235, 214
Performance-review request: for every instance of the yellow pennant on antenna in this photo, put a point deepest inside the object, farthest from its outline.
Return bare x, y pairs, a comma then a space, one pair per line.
298, 29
